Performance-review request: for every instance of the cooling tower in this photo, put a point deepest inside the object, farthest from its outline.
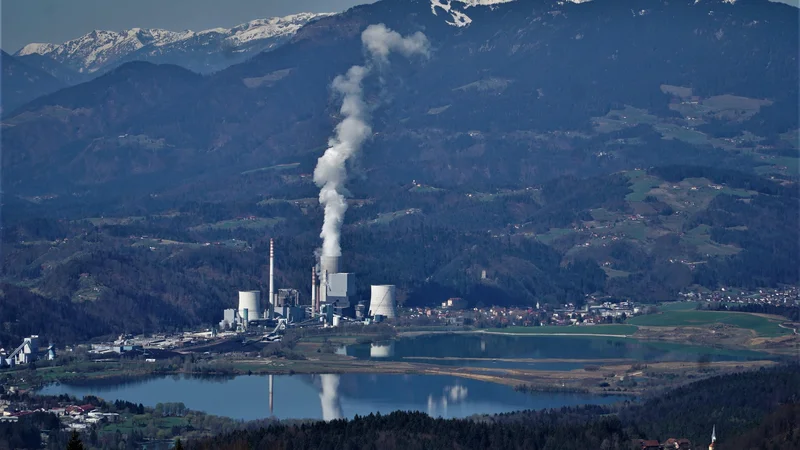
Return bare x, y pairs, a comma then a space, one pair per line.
382, 301
251, 301
330, 264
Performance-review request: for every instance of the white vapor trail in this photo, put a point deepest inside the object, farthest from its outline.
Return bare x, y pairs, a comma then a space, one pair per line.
351, 133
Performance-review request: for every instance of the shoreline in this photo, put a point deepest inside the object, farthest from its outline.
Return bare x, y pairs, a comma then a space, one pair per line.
600, 380
511, 333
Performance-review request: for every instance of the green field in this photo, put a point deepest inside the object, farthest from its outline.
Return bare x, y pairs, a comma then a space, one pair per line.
641, 184
691, 318
619, 330
553, 234
678, 306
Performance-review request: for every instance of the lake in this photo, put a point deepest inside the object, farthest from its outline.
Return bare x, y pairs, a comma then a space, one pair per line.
329, 396
483, 348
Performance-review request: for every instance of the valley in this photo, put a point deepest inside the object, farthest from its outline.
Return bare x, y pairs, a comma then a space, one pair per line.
504, 205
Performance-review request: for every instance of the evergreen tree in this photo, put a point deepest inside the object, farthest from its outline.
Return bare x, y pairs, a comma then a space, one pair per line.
178, 444
75, 442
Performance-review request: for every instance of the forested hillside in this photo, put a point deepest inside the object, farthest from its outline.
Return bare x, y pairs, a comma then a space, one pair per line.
539, 144
629, 235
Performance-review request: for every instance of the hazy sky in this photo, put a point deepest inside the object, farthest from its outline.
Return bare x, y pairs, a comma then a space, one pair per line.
26, 21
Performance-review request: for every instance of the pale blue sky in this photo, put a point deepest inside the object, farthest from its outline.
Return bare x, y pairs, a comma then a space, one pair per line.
26, 21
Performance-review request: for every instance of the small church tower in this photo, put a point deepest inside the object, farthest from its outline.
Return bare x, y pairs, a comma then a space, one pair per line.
713, 444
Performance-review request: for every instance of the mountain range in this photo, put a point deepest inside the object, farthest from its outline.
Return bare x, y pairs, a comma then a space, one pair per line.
520, 69
566, 148
203, 51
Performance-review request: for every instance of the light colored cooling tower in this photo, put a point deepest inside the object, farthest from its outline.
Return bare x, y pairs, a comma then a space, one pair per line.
251, 301
382, 301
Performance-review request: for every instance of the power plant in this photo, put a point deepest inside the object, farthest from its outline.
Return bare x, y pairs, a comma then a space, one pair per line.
333, 293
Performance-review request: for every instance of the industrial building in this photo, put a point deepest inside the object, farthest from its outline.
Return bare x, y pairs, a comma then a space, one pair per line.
28, 352
335, 289
251, 310
332, 292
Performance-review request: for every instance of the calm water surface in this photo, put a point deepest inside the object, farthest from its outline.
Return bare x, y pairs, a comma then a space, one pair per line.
488, 346
329, 396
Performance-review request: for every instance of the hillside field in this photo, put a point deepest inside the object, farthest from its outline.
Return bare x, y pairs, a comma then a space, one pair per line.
763, 326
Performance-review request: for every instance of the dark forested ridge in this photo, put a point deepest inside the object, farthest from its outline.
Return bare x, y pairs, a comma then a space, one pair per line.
167, 263
485, 87
763, 420
22, 83
563, 159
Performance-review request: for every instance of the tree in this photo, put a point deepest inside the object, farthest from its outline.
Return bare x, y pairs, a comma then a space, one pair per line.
75, 442
178, 444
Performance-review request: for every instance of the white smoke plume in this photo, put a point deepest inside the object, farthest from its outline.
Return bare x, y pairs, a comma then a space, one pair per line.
351, 133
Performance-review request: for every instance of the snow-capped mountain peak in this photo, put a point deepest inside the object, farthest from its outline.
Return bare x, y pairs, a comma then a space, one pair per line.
456, 9
101, 49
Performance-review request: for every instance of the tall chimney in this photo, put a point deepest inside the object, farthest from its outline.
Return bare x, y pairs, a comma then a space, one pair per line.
313, 290
271, 299
318, 300
270, 395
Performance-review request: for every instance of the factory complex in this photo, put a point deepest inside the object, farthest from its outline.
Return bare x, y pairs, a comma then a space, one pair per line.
29, 351
332, 295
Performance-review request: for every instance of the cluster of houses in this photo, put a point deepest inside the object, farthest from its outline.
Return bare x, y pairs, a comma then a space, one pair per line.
454, 312
594, 313
677, 444
75, 417
782, 296
669, 444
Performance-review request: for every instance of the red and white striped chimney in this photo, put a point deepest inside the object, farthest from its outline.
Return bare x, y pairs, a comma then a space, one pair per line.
271, 299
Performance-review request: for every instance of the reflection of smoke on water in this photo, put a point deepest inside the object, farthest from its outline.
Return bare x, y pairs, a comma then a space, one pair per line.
383, 350
451, 394
329, 398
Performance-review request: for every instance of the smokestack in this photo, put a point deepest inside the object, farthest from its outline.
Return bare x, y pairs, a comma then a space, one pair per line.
313, 290
270, 395
330, 264
271, 299
318, 300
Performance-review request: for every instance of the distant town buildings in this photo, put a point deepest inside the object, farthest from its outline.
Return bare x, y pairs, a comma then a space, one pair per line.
783, 296
676, 444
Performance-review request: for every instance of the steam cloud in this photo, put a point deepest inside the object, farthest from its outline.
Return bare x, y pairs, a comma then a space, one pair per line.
351, 133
